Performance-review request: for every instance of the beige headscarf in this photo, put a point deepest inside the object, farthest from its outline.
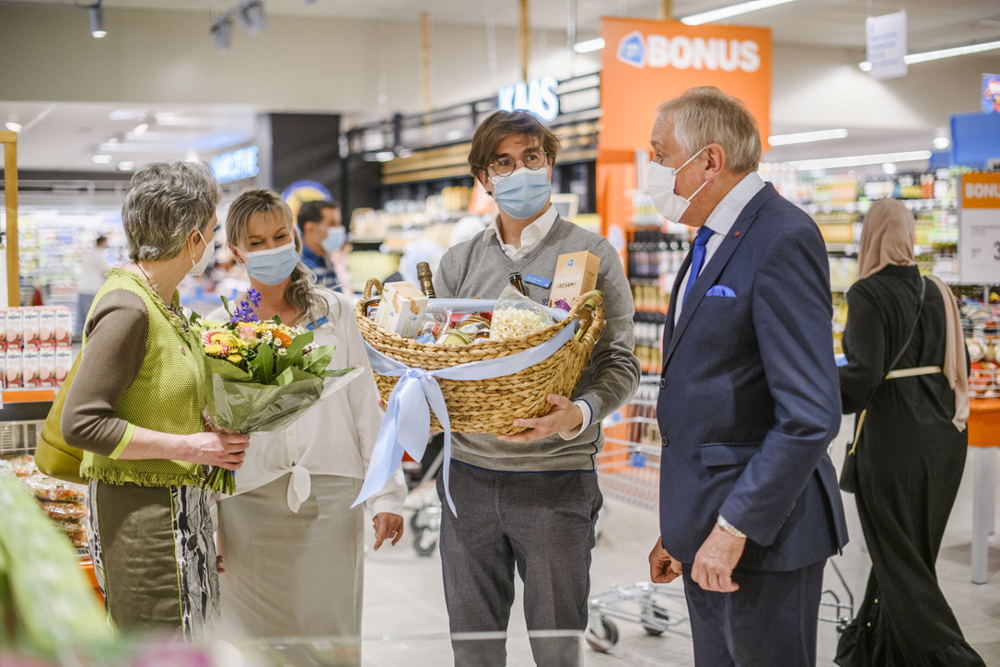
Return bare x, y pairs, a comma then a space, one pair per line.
887, 238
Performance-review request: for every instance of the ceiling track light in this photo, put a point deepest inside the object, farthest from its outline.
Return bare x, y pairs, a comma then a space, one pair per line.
249, 13
251, 16
220, 32
96, 15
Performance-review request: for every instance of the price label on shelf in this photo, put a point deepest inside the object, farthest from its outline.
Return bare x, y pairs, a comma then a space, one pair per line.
979, 235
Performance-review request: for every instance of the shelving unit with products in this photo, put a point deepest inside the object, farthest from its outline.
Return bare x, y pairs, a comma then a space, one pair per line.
52, 242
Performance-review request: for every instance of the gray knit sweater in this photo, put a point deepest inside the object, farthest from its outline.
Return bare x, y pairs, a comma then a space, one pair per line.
479, 268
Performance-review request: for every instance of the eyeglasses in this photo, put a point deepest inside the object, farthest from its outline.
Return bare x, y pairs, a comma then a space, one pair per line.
505, 166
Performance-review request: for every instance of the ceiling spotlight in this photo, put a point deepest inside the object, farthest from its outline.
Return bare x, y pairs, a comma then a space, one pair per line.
140, 129
13, 126
220, 33
942, 143
889, 168
251, 15
101, 158
126, 165
97, 29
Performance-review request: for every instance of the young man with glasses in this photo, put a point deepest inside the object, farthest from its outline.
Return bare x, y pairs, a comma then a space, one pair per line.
529, 500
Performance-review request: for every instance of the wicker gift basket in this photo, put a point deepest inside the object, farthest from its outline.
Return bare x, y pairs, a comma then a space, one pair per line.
490, 406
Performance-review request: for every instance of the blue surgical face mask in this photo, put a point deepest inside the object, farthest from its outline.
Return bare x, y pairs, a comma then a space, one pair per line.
272, 266
522, 193
335, 238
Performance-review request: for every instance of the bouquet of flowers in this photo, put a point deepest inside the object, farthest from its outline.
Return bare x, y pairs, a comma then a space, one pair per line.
262, 374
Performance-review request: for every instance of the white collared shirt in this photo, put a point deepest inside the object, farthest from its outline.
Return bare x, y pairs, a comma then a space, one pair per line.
334, 437
530, 236
721, 221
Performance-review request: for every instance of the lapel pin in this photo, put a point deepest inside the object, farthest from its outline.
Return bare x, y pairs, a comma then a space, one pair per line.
736, 233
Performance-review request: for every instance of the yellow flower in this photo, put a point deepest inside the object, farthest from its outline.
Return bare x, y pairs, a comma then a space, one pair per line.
235, 358
213, 349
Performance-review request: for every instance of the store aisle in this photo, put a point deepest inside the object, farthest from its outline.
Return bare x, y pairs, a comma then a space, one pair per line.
403, 594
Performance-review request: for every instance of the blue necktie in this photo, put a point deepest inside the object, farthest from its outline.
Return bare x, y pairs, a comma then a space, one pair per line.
697, 259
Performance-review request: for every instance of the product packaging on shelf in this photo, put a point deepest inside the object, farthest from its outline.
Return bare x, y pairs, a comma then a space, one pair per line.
3, 368
3, 328
47, 326
47, 367
15, 328
400, 309
14, 369
64, 326
31, 370
576, 274
32, 328
64, 361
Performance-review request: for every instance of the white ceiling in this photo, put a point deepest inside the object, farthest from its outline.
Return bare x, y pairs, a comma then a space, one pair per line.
932, 23
65, 136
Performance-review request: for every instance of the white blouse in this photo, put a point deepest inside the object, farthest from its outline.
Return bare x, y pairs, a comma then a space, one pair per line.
336, 436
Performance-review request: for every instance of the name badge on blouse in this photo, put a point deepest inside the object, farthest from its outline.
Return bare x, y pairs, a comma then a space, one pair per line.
316, 324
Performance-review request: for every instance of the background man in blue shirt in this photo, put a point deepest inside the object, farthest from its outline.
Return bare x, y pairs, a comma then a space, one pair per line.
323, 232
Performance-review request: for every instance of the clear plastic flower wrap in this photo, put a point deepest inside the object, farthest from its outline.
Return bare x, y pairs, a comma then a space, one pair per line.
516, 315
262, 376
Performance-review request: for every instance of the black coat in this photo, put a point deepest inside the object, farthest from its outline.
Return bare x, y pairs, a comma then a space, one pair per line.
910, 463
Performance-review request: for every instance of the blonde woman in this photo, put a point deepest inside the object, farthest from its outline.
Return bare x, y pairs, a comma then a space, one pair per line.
292, 547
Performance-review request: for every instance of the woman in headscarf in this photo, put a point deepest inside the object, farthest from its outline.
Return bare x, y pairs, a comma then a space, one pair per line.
911, 450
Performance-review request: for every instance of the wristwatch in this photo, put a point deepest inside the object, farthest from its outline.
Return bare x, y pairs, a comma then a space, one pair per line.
729, 528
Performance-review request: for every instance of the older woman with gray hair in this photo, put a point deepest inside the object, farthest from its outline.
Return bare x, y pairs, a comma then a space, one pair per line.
135, 408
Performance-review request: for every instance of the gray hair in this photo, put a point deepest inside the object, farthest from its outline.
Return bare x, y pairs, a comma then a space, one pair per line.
165, 202
706, 115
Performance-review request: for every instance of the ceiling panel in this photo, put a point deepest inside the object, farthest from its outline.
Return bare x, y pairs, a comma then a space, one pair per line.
933, 23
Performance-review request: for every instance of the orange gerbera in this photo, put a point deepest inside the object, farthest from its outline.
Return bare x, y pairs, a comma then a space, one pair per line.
286, 340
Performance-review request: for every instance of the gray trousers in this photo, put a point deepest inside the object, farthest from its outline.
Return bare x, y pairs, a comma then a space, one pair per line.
540, 522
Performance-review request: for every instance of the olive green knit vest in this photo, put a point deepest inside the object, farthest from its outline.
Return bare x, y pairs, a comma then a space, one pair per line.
167, 394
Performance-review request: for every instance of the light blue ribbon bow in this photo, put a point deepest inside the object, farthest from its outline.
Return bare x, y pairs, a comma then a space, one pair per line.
407, 422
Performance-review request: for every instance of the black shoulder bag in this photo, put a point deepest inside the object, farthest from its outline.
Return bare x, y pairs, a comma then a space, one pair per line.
849, 472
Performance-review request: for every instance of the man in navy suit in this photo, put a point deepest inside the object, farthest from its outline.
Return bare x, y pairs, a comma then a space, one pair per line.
749, 398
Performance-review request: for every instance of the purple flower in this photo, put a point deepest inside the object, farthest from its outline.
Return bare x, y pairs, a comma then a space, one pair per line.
245, 310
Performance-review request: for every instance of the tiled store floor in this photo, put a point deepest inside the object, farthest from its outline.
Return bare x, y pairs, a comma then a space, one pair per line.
403, 595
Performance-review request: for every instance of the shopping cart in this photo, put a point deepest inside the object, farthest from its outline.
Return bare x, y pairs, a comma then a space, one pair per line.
425, 522
629, 471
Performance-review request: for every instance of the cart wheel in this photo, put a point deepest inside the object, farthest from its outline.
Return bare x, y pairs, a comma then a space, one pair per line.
653, 620
425, 545
415, 523
604, 638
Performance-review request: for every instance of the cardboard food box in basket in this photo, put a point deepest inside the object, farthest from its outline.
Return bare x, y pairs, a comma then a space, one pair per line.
576, 274
400, 308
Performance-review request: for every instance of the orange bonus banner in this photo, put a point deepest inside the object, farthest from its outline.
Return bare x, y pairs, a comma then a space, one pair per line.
646, 63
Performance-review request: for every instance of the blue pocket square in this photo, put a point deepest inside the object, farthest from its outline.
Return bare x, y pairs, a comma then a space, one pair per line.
721, 290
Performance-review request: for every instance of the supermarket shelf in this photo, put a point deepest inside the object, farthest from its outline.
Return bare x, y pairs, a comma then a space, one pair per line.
44, 395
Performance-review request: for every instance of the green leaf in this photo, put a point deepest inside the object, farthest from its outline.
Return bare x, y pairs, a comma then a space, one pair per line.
225, 304
294, 355
264, 365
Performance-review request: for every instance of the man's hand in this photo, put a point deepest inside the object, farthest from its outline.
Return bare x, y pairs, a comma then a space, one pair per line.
715, 561
387, 526
565, 417
663, 568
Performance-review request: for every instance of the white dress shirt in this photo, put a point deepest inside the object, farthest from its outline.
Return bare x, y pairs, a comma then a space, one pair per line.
336, 436
721, 221
531, 236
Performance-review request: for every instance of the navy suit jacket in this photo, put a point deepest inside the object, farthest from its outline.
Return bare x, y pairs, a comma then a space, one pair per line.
750, 398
